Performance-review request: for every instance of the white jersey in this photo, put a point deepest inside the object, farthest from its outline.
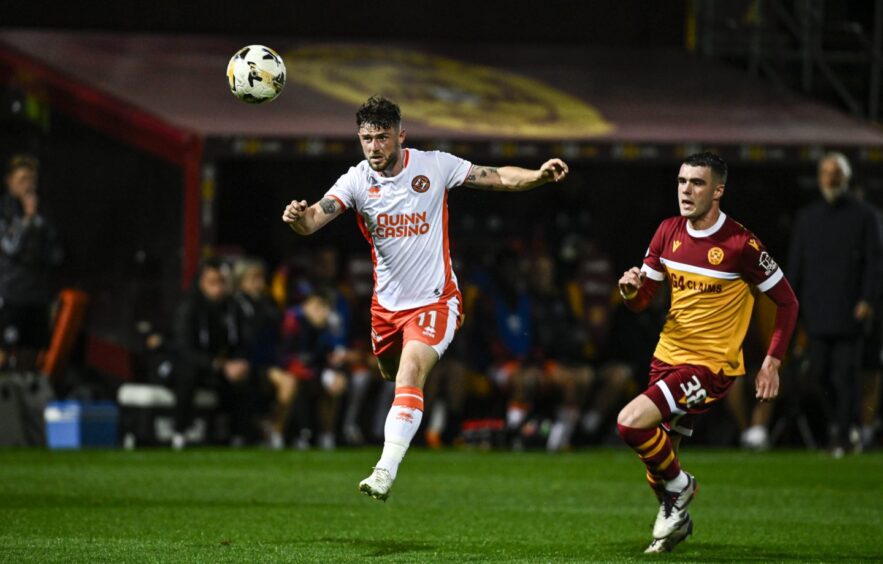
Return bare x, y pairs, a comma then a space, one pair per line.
405, 219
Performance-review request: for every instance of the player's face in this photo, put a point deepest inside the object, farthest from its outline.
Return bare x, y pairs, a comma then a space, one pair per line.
381, 146
832, 181
697, 191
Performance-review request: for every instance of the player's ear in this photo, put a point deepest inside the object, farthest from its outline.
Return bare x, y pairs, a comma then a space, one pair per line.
401, 136
719, 191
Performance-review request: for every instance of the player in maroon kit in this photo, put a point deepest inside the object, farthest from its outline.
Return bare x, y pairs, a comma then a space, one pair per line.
711, 263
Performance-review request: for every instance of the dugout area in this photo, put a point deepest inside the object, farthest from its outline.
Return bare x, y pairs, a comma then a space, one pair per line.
150, 164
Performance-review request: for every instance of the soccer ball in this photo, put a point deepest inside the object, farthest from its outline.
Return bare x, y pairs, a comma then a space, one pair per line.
256, 74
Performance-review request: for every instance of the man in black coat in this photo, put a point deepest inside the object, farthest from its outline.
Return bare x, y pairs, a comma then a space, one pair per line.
206, 339
29, 250
836, 268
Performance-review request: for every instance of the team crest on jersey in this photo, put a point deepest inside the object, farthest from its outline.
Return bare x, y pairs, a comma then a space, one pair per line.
374, 192
715, 255
767, 263
420, 184
753, 244
675, 245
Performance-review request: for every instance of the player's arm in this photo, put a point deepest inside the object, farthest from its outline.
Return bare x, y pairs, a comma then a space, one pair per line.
637, 289
767, 381
305, 220
513, 178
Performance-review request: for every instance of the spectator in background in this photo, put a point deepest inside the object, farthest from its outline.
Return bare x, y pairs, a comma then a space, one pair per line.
29, 250
505, 329
312, 355
633, 338
260, 322
206, 340
559, 344
589, 289
835, 266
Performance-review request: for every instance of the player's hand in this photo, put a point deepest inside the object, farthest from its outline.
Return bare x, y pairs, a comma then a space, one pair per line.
767, 381
294, 211
630, 282
554, 170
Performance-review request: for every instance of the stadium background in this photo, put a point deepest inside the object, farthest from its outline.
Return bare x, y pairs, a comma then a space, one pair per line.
138, 207
670, 80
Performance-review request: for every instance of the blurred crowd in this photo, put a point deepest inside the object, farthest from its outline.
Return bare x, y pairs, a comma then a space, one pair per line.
547, 352
287, 351
546, 356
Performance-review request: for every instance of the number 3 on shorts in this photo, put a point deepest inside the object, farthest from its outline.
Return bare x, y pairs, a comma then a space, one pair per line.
693, 392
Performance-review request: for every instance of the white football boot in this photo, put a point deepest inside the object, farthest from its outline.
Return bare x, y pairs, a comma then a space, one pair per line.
377, 485
670, 542
673, 509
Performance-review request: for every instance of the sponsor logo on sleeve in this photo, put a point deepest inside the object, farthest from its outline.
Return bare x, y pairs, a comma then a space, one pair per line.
753, 243
767, 263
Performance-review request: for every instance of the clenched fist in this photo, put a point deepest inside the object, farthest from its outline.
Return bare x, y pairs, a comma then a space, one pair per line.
294, 211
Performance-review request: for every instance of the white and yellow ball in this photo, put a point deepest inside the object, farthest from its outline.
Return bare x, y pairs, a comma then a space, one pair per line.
256, 74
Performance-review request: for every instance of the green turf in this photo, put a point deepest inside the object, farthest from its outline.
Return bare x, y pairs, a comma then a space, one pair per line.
589, 506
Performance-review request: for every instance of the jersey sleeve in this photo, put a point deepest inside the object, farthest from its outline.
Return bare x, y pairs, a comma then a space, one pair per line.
757, 266
344, 190
652, 266
454, 169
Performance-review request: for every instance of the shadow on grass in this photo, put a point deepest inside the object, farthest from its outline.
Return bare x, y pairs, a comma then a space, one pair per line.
378, 548
723, 552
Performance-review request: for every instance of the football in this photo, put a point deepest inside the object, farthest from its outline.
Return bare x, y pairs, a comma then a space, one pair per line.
256, 74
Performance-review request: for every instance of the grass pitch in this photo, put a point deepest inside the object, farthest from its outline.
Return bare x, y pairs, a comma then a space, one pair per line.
588, 506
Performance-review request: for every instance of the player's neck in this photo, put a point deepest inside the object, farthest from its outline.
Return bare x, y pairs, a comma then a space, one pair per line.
706, 221
396, 167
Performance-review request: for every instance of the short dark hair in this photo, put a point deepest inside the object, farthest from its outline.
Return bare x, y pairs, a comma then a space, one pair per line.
711, 160
381, 112
23, 160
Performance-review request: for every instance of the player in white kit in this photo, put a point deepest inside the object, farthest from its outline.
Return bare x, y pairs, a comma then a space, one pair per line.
400, 198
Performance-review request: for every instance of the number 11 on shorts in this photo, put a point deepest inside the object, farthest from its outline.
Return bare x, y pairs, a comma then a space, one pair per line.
421, 319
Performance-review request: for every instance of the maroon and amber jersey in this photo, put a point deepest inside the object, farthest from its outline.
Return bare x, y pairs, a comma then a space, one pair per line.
710, 273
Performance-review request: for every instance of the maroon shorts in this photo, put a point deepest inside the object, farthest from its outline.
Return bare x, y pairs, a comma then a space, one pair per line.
683, 391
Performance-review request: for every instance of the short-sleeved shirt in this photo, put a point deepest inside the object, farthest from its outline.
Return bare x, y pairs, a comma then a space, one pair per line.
405, 220
710, 274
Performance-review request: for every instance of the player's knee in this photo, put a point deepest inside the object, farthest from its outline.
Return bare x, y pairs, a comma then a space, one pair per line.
409, 373
628, 417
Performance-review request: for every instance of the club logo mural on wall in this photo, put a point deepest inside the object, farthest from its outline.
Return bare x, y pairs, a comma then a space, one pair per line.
445, 93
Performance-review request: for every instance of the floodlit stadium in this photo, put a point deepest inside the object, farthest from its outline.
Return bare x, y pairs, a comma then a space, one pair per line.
423, 282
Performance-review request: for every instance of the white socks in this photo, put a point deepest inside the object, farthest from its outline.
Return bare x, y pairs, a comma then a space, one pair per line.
402, 423
678, 484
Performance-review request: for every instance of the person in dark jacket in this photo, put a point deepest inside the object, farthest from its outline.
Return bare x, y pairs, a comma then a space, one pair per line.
206, 340
260, 322
835, 265
29, 250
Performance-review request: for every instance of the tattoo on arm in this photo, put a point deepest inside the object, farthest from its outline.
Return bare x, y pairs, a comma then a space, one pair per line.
485, 177
329, 205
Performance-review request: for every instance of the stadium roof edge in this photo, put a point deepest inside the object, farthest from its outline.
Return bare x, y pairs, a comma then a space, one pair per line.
593, 106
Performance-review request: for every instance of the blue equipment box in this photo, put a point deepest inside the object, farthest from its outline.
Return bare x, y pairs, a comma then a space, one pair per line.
76, 424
